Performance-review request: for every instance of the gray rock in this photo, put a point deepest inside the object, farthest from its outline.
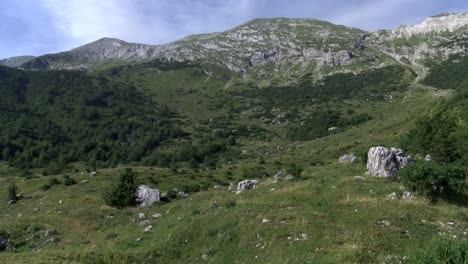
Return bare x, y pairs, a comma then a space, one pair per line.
50, 232
157, 215
144, 222
146, 196
383, 162
407, 195
148, 228
428, 157
141, 216
246, 185
182, 194
392, 196
348, 158
279, 175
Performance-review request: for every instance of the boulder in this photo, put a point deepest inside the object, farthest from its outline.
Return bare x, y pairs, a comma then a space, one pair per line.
384, 162
279, 175
147, 196
246, 185
428, 157
348, 158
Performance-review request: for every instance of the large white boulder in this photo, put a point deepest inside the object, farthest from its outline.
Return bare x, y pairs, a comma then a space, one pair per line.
384, 162
146, 196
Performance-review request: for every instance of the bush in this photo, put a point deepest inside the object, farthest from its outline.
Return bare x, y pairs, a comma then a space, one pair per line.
433, 180
122, 192
12, 191
295, 170
67, 181
172, 194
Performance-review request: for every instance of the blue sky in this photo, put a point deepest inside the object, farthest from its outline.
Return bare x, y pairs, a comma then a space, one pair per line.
35, 27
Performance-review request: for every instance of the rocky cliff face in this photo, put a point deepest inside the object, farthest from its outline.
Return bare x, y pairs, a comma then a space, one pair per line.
283, 49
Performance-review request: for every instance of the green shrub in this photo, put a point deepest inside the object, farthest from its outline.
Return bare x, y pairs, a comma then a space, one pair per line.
433, 180
67, 181
122, 192
172, 194
12, 191
295, 170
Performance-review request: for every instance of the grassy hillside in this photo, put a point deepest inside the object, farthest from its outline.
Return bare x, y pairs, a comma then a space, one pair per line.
213, 132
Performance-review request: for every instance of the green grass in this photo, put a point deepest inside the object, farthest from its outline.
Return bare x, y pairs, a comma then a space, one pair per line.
326, 216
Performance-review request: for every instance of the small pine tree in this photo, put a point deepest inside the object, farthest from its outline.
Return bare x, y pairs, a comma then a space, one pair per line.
122, 192
12, 191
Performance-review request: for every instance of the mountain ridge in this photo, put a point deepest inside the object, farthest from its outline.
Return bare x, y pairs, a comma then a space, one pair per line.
278, 49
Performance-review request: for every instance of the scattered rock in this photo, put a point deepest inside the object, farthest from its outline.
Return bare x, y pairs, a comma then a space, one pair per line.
407, 195
60, 202
83, 181
141, 216
93, 173
332, 128
182, 194
50, 232
11, 202
19, 215
383, 162
359, 178
148, 228
265, 220
246, 185
157, 215
289, 177
279, 175
392, 196
204, 257
144, 222
138, 239
428, 157
231, 186
146, 196
382, 223
348, 158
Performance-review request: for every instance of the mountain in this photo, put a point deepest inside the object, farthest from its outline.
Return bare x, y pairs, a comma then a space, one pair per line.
16, 61
281, 49
280, 101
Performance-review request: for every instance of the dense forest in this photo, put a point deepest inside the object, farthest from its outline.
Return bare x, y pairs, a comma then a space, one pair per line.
49, 119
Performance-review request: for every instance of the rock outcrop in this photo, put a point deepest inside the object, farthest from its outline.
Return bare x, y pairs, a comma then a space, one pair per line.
348, 158
384, 162
246, 185
146, 196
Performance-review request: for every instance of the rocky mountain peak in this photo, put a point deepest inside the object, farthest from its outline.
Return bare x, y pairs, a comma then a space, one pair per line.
446, 22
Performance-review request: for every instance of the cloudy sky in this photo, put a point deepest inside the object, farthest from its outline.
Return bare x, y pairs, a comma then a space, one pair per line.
34, 27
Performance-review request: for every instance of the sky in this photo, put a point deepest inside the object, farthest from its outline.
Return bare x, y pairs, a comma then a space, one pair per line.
36, 27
